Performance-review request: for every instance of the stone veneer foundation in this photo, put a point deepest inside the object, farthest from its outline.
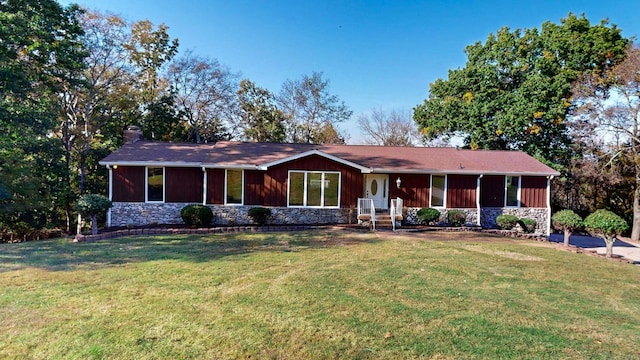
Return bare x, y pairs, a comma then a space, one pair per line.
140, 214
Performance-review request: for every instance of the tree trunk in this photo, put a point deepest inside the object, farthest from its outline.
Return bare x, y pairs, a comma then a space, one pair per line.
567, 234
94, 224
635, 229
609, 243
79, 228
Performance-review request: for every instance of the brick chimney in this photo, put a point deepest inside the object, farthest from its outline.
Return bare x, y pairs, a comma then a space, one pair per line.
132, 134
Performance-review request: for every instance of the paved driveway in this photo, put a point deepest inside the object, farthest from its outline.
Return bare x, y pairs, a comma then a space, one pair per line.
622, 248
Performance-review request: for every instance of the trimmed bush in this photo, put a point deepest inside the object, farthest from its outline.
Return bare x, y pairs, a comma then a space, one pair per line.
528, 225
427, 216
506, 221
196, 215
93, 205
567, 221
607, 225
260, 215
456, 217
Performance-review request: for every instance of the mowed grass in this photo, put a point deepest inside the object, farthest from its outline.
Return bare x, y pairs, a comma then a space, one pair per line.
319, 294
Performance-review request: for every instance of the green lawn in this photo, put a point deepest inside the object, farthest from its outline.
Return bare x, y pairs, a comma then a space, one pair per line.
321, 294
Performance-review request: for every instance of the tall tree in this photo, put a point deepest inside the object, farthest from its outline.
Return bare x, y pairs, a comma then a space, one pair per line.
205, 93
40, 53
310, 109
150, 49
515, 89
261, 120
393, 128
611, 101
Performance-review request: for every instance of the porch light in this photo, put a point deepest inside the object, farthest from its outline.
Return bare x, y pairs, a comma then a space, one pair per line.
398, 182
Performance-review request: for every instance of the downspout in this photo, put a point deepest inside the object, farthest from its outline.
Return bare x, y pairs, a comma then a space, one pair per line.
549, 178
110, 193
478, 199
204, 186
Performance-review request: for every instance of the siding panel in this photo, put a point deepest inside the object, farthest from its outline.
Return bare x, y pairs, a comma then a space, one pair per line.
253, 187
414, 189
183, 184
128, 184
533, 191
461, 191
215, 186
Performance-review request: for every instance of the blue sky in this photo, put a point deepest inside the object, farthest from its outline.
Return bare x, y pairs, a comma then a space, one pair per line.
376, 54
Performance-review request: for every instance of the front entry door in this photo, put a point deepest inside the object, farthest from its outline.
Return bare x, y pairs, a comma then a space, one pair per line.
377, 188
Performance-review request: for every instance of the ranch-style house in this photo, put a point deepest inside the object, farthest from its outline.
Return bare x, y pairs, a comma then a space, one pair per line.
151, 181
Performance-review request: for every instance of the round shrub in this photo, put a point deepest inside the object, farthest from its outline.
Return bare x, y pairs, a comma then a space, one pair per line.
428, 216
506, 221
456, 217
605, 223
196, 215
259, 215
528, 225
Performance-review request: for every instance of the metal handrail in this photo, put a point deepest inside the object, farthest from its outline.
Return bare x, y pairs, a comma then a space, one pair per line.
366, 206
396, 208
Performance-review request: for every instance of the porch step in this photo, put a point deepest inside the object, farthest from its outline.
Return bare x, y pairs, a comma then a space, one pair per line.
384, 221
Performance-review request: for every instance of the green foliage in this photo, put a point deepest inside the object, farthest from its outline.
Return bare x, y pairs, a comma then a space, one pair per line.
196, 215
262, 120
527, 224
514, 92
93, 204
605, 223
260, 215
456, 217
427, 216
506, 221
567, 220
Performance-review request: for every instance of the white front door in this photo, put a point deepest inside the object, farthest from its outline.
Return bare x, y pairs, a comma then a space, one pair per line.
377, 188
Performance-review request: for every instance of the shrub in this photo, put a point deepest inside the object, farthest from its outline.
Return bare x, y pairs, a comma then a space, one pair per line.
456, 217
427, 216
567, 221
506, 221
196, 215
93, 205
528, 225
607, 225
259, 215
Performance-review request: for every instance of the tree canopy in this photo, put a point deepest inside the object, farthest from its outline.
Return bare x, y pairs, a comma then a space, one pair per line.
515, 89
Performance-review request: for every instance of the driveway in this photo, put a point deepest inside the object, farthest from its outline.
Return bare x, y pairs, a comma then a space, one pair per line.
626, 249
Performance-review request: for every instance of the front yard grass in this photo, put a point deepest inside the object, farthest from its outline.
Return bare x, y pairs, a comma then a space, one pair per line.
318, 294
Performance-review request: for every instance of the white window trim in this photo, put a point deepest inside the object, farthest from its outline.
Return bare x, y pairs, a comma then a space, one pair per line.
506, 193
146, 184
304, 195
444, 194
225, 189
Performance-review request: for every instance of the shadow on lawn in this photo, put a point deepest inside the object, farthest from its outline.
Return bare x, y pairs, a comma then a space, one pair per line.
62, 254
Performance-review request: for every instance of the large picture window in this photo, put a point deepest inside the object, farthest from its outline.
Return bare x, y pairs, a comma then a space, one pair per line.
438, 188
155, 184
513, 191
234, 187
314, 188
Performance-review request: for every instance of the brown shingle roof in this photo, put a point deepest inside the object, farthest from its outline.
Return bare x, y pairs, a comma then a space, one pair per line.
373, 158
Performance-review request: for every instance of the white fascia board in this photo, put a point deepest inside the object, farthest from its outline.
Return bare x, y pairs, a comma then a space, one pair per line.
363, 169
231, 166
151, 163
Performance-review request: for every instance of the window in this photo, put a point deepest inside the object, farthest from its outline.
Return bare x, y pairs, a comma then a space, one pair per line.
513, 191
314, 188
155, 184
233, 187
438, 185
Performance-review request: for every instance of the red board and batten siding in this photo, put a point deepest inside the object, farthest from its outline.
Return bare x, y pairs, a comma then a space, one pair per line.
215, 186
414, 189
183, 185
461, 191
128, 184
492, 191
533, 191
